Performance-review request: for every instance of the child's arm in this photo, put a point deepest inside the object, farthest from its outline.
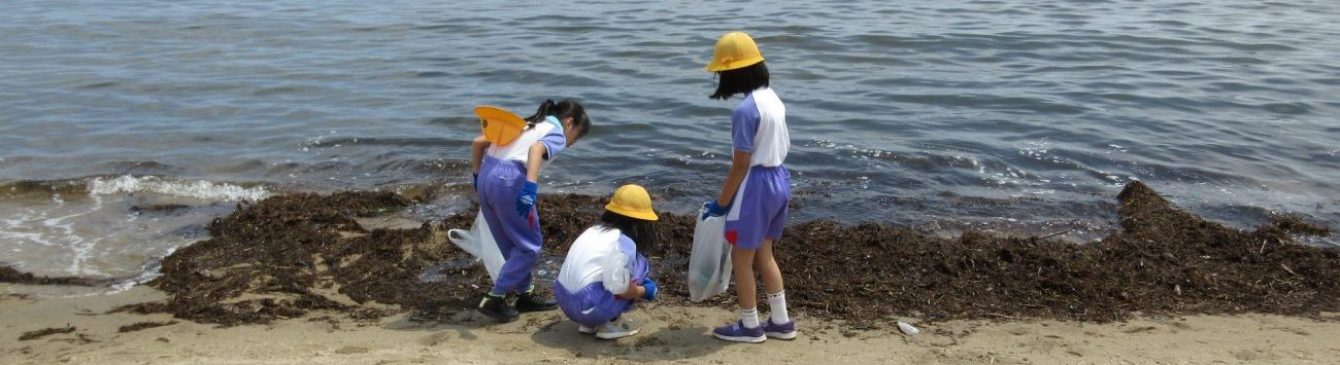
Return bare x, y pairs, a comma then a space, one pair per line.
477, 149
634, 292
525, 199
537, 154
739, 165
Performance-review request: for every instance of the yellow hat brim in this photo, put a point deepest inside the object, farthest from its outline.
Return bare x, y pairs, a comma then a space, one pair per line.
716, 66
500, 126
648, 215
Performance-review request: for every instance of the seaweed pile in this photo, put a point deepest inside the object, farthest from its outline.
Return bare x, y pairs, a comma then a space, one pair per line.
1163, 261
288, 255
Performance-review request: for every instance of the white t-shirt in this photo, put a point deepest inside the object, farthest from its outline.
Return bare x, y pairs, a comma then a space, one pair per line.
758, 126
549, 132
596, 256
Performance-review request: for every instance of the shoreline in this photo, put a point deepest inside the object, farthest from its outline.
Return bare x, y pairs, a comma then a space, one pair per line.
336, 282
670, 334
350, 252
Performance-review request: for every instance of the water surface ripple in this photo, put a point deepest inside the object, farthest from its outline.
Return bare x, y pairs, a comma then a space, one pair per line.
943, 114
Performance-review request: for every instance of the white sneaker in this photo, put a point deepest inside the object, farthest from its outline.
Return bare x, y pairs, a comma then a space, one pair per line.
583, 329
617, 329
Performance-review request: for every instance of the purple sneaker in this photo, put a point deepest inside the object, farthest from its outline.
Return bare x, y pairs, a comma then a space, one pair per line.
737, 332
784, 331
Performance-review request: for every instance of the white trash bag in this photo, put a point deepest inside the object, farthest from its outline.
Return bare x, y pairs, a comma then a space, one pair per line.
709, 264
478, 241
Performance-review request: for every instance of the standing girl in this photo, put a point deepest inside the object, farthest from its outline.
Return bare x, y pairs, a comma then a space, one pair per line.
506, 178
757, 189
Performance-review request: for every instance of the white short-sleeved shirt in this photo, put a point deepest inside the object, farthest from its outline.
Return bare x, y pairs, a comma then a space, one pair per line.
758, 126
599, 255
549, 132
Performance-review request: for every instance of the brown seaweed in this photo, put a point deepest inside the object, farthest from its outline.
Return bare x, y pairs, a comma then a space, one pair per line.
36, 334
288, 255
137, 326
10, 275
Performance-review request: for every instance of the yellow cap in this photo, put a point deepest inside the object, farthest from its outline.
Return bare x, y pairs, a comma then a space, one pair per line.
632, 201
734, 50
500, 126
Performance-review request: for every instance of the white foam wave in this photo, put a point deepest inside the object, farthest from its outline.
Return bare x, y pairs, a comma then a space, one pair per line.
53, 232
194, 189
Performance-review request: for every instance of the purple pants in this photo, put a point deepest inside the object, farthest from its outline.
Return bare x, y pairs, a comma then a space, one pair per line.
518, 236
761, 208
593, 305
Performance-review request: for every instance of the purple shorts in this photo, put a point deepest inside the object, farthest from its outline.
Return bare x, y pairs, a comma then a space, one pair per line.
592, 305
759, 211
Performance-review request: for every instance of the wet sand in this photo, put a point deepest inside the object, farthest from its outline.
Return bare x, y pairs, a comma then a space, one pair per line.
671, 334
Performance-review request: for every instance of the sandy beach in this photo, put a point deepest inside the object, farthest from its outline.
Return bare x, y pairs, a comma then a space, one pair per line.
670, 334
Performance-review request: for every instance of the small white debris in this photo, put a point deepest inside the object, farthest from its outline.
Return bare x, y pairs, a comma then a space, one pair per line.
908, 329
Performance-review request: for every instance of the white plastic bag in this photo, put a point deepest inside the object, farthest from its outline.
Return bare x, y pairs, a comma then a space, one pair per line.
478, 241
709, 264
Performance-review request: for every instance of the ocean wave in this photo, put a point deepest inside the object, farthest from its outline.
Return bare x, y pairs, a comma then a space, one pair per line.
200, 189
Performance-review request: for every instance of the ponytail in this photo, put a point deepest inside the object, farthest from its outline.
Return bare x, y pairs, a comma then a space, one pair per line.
567, 108
546, 109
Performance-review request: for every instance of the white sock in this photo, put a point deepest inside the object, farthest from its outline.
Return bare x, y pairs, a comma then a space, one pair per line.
749, 317
777, 303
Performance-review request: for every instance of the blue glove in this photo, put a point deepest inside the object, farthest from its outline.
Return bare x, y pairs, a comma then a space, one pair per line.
475, 181
526, 200
711, 209
650, 289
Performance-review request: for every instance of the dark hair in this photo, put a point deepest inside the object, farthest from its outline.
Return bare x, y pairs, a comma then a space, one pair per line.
643, 232
741, 81
567, 108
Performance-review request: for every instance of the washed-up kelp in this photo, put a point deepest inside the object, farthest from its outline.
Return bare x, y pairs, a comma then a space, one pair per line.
288, 255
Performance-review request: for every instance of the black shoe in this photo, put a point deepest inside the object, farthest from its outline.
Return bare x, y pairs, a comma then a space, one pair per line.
530, 302
497, 308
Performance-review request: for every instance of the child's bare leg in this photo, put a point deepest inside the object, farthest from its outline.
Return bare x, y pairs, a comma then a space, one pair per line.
780, 321
743, 265
767, 268
748, 328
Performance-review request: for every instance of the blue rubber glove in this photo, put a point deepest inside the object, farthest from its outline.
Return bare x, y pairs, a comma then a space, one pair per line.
526, 200
475, 181
711, 209
650, 289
